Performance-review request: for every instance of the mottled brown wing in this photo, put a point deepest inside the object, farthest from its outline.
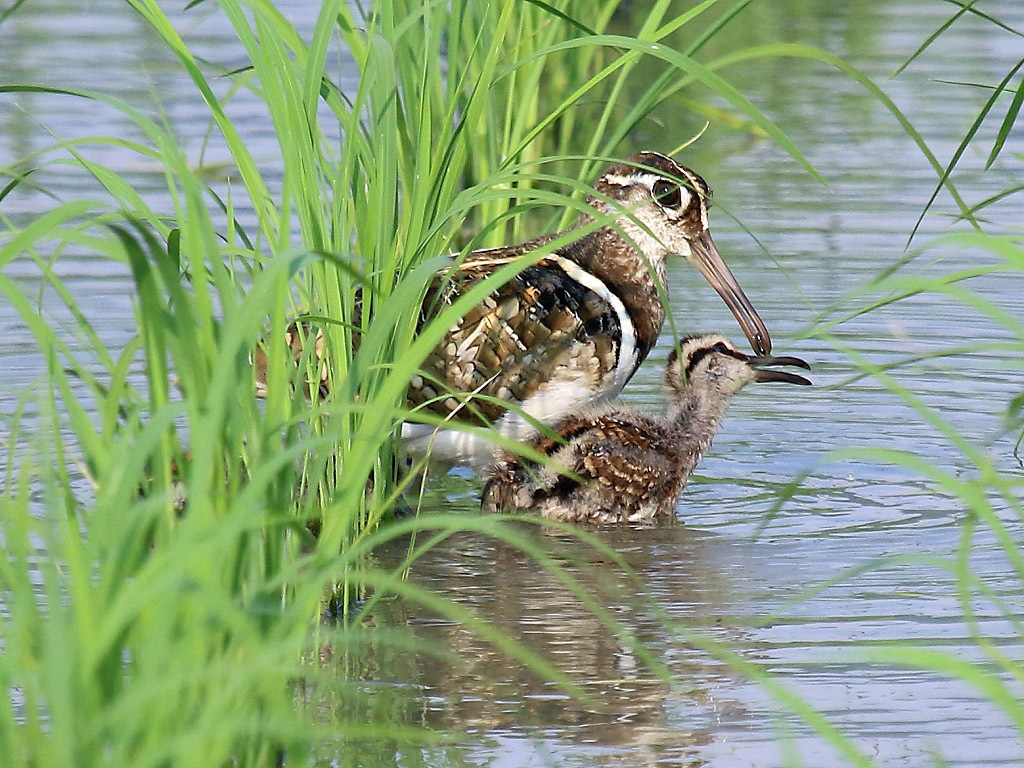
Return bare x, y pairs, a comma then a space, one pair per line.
632, 475
627, 472
541, 325
628, 455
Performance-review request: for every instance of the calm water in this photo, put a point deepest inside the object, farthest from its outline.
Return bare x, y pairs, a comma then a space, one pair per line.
707, 572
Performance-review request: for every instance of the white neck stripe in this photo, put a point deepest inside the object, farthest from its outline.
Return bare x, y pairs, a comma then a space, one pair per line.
626, 361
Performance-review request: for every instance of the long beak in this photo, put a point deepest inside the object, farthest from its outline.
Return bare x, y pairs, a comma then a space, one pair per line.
767, 374
708, 261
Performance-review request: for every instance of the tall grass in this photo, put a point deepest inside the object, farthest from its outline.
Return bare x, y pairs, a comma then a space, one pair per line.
138, 633
160, 583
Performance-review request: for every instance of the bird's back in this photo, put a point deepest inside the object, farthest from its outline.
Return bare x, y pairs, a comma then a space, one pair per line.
607, 466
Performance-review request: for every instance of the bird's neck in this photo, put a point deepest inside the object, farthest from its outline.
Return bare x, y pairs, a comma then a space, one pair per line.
638, 280
694, 419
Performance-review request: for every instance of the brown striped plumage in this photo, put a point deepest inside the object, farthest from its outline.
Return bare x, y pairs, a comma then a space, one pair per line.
619, 466
516, 339
570, 330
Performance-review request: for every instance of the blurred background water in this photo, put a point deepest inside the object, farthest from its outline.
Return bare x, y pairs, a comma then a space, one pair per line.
814, 245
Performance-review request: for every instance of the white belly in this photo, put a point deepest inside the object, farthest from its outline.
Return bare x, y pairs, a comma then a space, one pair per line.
476, 448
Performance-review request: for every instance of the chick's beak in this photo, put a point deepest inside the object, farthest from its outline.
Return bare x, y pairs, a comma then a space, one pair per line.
765, 373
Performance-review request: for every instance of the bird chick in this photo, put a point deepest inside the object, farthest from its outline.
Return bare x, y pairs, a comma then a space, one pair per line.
614, 465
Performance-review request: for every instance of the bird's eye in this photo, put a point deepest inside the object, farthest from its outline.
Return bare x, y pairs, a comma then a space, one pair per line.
720, 348
667, 194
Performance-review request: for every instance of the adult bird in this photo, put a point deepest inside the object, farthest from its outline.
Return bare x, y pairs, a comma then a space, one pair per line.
569, 330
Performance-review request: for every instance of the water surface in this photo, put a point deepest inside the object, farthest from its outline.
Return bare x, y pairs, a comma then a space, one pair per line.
707, 572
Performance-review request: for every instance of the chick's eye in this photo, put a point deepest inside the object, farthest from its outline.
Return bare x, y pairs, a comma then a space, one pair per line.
667, 194
720, 348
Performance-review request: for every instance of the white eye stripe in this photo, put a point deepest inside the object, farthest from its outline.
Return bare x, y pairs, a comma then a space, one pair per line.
704, 192
648, 180
687, 189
